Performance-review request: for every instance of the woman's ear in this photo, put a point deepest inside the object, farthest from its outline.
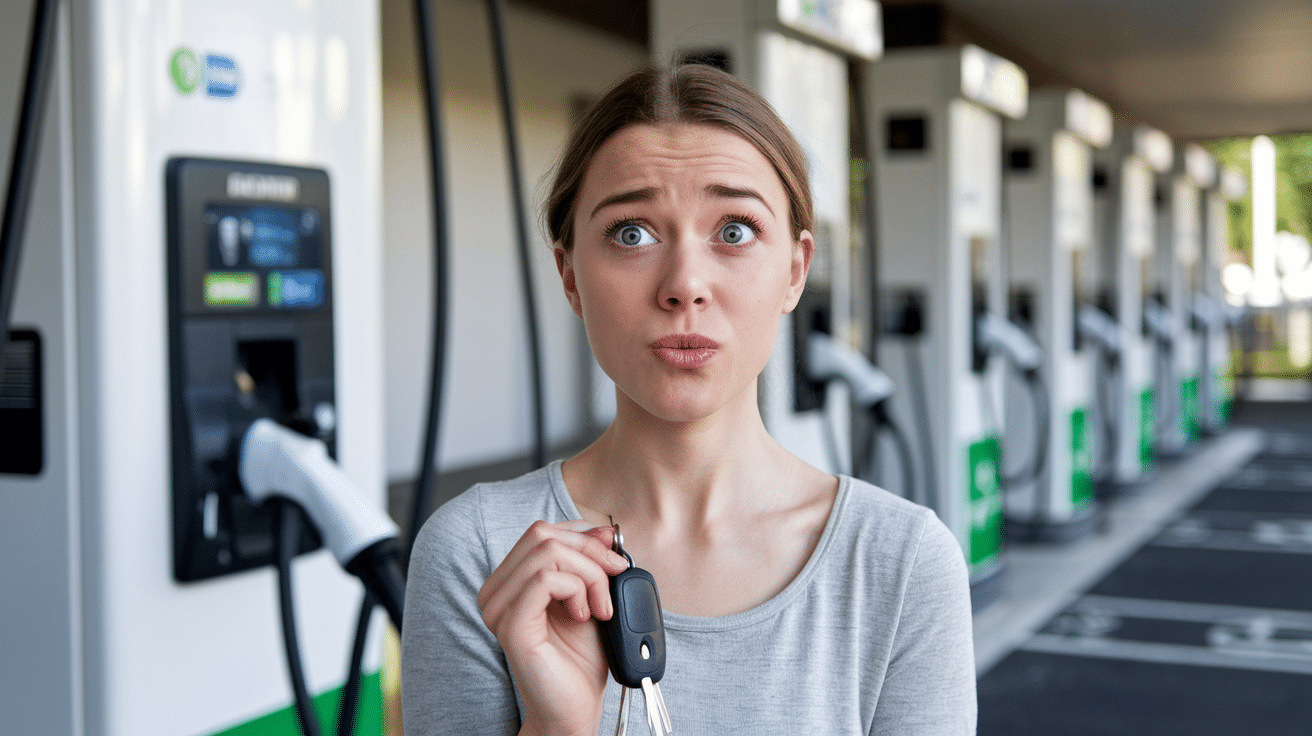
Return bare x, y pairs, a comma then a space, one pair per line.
803, 252
565, 266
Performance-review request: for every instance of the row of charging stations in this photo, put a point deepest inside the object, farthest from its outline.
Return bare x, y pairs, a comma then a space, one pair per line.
1124, 210
1038, 328
1049, 220
1030, 314
1217, 391
1177, 269
938, 116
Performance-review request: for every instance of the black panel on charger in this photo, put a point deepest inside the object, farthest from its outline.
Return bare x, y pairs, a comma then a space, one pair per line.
250, 336
22, 434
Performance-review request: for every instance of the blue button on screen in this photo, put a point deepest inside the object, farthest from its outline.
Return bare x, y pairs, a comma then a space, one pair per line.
300, 289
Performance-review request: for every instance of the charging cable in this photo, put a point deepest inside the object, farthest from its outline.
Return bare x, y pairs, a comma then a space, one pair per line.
828, 359
1100, 328
1025, 354
23, 159
1158, 319
996, 333
296, 473
1161, 326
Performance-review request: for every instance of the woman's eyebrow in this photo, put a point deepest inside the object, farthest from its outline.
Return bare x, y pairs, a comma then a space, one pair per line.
722, 190
637, 195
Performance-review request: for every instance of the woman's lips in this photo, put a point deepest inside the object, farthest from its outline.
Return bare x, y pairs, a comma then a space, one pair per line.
685, 351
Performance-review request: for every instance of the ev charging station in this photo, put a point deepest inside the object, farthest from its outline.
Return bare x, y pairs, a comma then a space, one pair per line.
203, 250
1050, 232
1126, 222
1216, 392
1176, 272
938, 115
795, 54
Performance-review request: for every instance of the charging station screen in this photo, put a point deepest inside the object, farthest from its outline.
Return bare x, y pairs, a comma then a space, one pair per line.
264, 256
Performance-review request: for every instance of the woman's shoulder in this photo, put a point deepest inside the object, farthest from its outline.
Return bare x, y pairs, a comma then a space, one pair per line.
873, 505
886, 524
497, 513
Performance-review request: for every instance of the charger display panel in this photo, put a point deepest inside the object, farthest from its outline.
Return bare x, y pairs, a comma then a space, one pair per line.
250, 335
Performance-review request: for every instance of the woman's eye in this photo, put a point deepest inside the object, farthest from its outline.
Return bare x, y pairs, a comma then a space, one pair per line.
634, 235
736, 233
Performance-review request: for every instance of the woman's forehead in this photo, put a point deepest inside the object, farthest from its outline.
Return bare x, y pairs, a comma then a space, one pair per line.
671, 155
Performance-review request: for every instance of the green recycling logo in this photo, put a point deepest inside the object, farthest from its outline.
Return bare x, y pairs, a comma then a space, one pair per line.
1081, 458
184, 69
985, 501
983, 467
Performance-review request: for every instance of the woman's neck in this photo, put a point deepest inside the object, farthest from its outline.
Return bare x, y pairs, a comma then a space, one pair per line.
715, 509
681, 474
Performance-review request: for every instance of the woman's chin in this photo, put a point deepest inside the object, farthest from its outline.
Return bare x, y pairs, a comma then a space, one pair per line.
683, 407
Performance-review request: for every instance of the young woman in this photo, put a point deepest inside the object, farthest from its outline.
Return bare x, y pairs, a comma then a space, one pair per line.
794, 601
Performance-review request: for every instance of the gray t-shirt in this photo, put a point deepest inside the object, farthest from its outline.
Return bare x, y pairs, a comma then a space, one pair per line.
872, 637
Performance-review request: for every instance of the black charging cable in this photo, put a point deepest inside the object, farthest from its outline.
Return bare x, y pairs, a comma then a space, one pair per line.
287, 521
1039, 460
881, 423
495, 11
426, 41
1108, 391
23, 159
920, 401
350, 702
1032, 470
428, 62
427, 478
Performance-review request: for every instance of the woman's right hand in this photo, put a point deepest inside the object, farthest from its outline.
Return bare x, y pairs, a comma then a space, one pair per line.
540, 602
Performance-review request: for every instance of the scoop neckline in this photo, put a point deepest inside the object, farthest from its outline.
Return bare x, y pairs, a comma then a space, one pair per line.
764, 610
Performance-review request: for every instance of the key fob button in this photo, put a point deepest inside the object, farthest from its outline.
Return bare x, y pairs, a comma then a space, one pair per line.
642, 610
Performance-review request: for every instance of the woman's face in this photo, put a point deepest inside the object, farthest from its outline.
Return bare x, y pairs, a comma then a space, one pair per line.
681, 266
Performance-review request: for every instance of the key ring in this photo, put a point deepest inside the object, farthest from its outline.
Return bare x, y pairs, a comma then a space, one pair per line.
617, 544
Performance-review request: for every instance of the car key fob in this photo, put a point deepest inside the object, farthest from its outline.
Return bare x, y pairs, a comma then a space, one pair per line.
634, 637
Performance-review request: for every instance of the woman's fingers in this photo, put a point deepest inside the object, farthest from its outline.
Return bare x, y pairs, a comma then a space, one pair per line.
528, 578
550, 556
590, 543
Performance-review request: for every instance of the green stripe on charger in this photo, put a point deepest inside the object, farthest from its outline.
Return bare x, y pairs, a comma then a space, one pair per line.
369, 720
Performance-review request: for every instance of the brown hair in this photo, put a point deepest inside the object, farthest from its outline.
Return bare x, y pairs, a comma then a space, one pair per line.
689, 93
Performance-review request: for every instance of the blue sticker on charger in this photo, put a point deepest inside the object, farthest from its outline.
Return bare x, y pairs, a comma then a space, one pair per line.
221, 76
296, 289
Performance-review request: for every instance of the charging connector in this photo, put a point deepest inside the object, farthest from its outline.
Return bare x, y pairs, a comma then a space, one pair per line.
1158, 321
828, 359
1096, 325
994, 332
275, 461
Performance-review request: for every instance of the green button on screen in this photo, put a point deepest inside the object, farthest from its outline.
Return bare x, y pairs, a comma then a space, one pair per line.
228, 289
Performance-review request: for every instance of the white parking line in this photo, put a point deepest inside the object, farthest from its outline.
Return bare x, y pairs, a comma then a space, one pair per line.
1263, 534
1189, 611
1159, 653
1043, 580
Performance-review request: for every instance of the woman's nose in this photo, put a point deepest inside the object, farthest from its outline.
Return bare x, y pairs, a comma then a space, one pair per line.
685, 282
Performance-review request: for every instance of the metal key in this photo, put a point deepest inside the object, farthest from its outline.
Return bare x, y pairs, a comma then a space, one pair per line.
634, 640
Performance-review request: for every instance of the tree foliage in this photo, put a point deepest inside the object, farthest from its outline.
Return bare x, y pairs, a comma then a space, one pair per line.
1293, 184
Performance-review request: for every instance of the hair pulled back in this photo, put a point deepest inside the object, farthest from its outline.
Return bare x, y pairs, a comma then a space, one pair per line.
688, 93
